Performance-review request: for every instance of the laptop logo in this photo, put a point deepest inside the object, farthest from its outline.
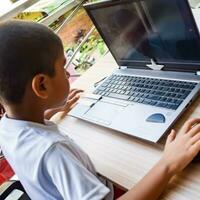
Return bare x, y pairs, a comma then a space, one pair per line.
154, 66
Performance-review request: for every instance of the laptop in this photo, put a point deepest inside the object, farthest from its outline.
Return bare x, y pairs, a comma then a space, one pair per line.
156, 45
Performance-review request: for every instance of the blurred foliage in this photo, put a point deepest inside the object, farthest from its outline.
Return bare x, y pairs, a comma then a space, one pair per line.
92, 43
90, 50
40, 10
31, 16
92, 1
51, 5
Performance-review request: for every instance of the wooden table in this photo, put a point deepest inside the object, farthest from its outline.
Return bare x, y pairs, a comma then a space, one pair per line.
124, 159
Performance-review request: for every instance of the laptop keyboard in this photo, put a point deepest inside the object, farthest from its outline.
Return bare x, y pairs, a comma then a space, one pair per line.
156, 92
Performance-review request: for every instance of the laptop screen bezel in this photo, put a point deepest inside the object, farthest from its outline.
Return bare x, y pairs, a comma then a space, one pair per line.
168, 66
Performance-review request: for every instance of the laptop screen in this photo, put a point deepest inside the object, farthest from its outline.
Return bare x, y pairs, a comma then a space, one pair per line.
136, 31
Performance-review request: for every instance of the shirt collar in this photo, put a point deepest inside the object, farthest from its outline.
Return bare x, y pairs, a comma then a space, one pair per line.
15, 123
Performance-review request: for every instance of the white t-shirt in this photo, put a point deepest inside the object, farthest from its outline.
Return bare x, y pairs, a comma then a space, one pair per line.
49, 164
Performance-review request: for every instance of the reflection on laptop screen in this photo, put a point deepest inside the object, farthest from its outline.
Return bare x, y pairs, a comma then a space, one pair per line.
140, 30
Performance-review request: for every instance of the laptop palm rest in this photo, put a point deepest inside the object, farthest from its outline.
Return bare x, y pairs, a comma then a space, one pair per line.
130, 119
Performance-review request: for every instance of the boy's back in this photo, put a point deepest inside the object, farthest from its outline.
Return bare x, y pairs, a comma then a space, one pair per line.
49, 164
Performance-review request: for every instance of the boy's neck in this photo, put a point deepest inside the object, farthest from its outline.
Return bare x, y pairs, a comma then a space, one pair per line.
19, 112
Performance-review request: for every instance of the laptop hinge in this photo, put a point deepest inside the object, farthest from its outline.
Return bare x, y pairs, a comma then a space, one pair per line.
123, 67
154, 66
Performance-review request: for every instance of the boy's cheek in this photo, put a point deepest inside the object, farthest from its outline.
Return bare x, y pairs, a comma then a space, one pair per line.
67, 87
62, 99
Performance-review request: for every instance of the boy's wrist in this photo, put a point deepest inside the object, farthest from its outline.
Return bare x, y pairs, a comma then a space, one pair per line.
167, 168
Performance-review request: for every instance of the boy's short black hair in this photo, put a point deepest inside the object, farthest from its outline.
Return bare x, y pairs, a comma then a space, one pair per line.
26, 49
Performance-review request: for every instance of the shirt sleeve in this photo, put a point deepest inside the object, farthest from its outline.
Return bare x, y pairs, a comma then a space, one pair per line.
71, 178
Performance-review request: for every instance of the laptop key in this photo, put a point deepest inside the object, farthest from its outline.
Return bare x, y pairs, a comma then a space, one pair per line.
140, 100
119, 96
136, 99
147, 101
174, 106
131, 98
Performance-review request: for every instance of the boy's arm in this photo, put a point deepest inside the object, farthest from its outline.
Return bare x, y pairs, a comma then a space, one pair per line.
151, 186
179, 152
71, 102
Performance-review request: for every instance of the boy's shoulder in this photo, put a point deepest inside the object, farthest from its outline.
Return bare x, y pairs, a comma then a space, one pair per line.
30, 133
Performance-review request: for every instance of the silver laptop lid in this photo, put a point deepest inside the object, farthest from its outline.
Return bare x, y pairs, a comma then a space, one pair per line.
137, 31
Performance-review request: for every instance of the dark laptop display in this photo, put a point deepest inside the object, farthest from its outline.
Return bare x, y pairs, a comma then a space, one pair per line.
137, 31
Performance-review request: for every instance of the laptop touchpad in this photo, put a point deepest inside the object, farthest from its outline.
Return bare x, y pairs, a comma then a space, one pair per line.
103, 113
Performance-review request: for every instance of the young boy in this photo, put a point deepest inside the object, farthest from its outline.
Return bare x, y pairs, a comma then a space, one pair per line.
50, 165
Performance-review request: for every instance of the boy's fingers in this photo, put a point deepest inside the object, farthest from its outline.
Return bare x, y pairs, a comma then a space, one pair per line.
74, 93
194, 130
171, 136
188, 125
74, 89
195, 139
72, 101
195, 148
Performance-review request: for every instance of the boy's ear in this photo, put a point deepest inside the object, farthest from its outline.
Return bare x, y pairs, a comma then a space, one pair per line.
40, 84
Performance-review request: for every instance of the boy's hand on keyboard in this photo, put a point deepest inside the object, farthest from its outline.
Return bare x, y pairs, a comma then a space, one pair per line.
180, 149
